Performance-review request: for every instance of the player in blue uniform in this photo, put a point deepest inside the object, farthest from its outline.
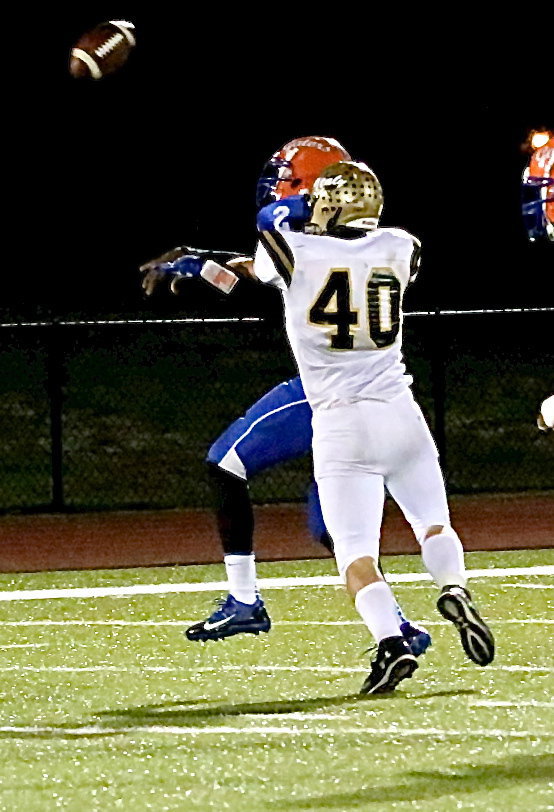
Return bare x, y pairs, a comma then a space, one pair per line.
277, 428
537, 188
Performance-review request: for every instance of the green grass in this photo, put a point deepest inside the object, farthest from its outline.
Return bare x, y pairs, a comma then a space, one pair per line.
251, 723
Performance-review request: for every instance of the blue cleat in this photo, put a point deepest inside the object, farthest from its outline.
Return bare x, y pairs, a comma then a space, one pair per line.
417, 637
232, 617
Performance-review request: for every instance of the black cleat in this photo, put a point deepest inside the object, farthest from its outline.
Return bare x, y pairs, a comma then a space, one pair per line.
393, 663
455, 604
232, 617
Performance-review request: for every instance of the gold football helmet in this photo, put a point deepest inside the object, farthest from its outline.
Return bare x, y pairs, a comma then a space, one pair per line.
346, 193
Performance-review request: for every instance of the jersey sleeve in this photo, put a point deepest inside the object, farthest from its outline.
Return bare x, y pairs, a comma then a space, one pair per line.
408, 245
264, 269
274, 259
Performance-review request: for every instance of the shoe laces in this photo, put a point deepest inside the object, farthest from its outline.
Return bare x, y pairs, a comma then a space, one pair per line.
220, 603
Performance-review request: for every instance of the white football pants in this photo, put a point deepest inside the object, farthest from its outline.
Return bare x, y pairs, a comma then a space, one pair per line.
360, 449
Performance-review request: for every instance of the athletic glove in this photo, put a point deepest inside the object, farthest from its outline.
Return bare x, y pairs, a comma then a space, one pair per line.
183, 262
185, 267
189, 266
156, 271
292, 211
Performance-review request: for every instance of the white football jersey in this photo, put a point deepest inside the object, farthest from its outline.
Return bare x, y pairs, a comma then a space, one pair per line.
343, 309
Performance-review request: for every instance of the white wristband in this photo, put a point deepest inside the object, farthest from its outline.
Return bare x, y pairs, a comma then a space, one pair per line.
221, 278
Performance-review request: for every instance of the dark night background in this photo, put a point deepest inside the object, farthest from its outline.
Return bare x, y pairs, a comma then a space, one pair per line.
168, 151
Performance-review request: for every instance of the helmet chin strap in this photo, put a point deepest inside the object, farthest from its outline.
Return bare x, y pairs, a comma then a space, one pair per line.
332, 221
315, 228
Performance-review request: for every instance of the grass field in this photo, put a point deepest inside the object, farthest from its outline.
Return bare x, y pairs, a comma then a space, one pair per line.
106, 706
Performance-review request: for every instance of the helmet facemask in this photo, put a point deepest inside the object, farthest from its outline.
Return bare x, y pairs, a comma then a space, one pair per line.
274, 172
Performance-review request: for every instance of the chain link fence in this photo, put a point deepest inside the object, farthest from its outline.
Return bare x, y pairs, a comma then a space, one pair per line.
120, 414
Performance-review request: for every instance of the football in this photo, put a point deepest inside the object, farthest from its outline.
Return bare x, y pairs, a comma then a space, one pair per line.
102, 50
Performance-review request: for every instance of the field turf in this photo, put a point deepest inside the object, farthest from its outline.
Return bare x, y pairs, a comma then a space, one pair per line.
106, 706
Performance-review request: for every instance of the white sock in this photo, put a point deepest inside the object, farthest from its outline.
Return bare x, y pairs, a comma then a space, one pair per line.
443, 556
241, 575
377, 607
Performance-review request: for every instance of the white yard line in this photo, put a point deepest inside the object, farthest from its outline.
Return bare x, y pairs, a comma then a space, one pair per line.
344, 717
521, 668
84, 669
263, 583
513, 586
391, 732
23, 645
531, 704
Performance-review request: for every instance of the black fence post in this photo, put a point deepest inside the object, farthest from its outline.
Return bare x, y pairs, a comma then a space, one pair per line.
438, 372
56, 381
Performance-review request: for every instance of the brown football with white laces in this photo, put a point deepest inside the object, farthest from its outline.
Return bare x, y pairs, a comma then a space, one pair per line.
102, 50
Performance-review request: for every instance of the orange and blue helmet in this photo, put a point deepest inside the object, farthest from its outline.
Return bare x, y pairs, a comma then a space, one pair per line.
293, 169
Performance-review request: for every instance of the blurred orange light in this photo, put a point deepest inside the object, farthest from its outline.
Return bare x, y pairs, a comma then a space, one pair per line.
539, 139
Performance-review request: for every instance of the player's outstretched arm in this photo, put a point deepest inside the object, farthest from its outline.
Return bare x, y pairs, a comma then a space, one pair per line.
185, 262
221, 269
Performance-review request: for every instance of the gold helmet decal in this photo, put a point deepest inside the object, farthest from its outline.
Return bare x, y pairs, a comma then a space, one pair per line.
347, 193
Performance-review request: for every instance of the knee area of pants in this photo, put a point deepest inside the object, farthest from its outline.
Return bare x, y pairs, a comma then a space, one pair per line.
230, 463
215, 471
218, 472
344, 563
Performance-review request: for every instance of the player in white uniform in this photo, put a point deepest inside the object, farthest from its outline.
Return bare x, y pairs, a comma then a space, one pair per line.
278, 426
342, 281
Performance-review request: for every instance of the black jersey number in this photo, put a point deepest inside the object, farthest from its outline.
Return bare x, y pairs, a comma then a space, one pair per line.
338, 284
383, 308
